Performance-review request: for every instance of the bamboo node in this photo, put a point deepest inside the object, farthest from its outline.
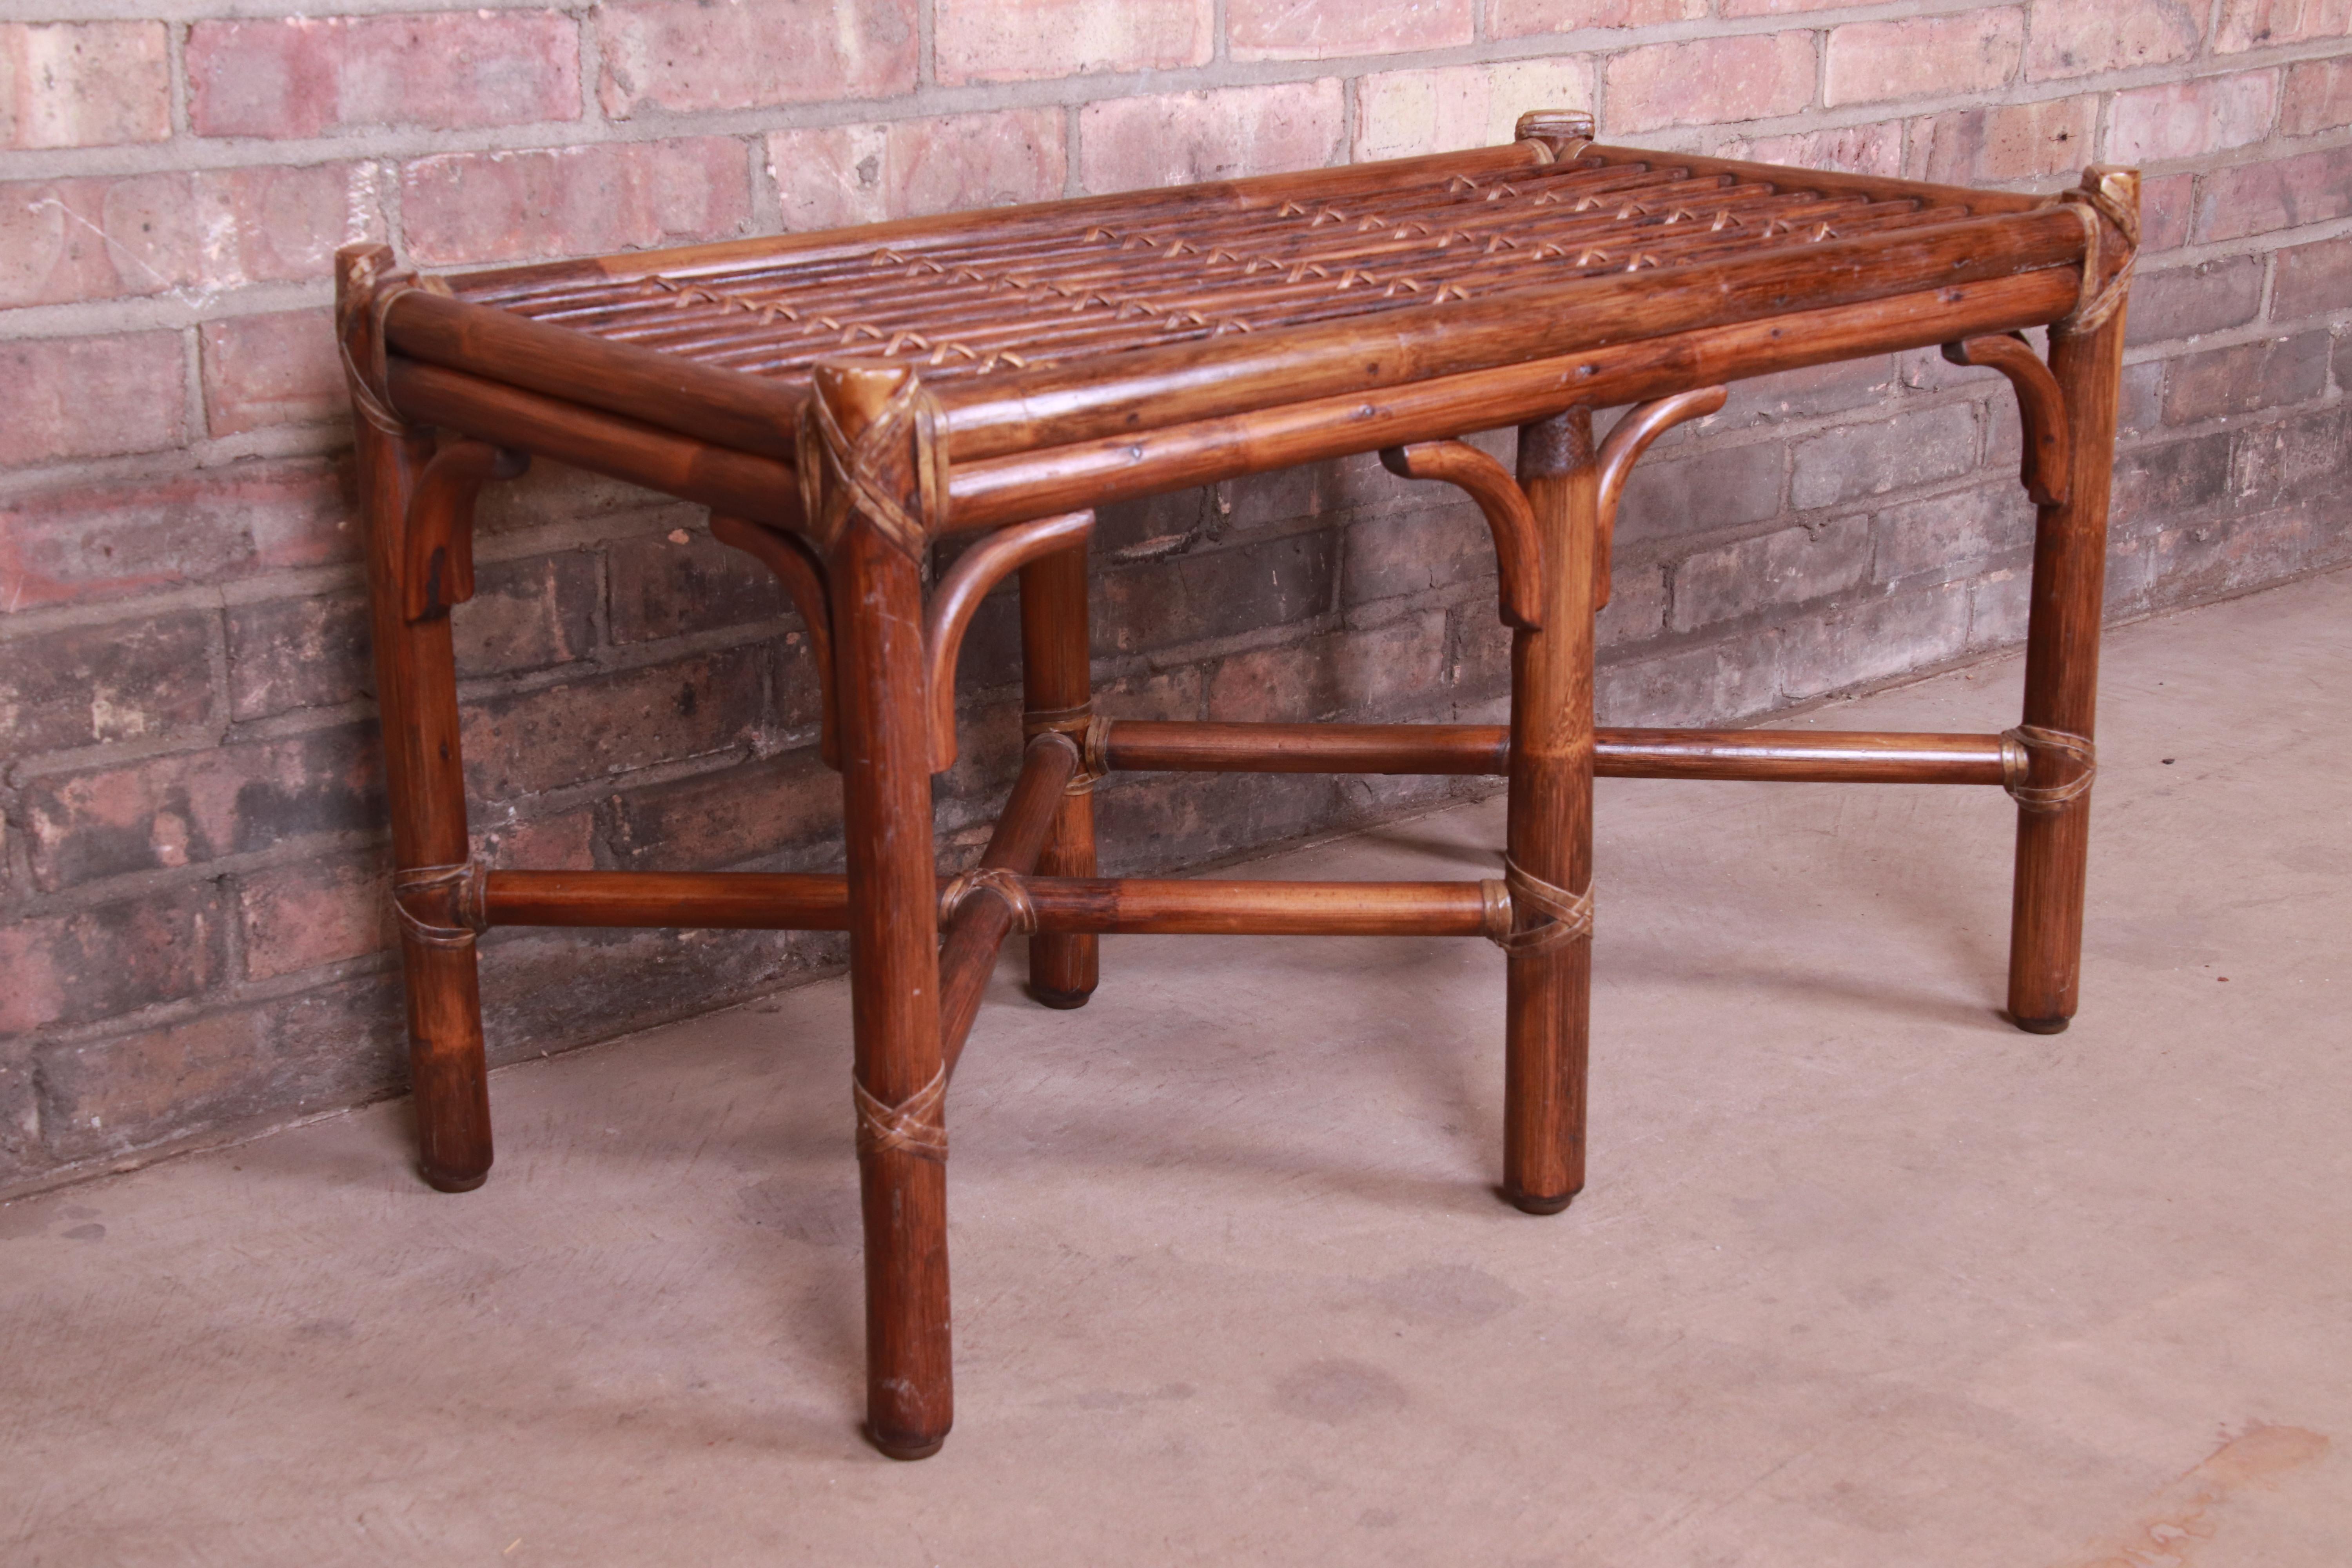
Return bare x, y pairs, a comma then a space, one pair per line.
442, 906
916, 1124
1521, 891
1006, 885
2032, 739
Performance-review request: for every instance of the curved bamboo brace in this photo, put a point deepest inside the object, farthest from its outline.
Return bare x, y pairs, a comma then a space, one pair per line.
958, 598
796, 566
2039, 404
1518, 553
1628, 439
438, 543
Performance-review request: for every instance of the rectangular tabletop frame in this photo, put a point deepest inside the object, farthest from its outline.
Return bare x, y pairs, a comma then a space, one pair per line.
842, 400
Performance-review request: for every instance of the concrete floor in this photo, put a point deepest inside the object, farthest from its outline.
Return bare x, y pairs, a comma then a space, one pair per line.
1864, 1276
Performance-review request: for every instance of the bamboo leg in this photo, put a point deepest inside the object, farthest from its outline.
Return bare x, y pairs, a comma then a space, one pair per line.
1551, 833
1057, 682
2061, 673
417, 693
873, 577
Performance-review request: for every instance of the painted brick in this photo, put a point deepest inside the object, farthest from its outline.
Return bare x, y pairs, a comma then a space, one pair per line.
686, 58
2245, 377
838, 176
528, 613
83, 84
1873, 149
2299, 458
125, 681
278, 369
2184, 302
1217, 592
74, 543
112, 959
1402, 114
1951, 535
2318, 96
2004, 142
197, 806
786, 803
2166, 206
2079, 38
664, 586
2190, 119
301, 76
2313, 280
1870, 459
987, 40
109, 1097
91, 398
1285, 30
1878, 636
1708, 81
1918, 57
2263, 24
513, 206
1719, 488
1791, 566
1128, 143
1387, 669
1518, 18
582, 730
319, 913
306, 652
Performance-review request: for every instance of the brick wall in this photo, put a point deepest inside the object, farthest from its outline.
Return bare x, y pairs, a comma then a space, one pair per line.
192, 930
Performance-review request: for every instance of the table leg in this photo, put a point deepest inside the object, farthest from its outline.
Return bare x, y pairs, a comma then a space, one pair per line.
1551, 833
1055, 650
2061, 674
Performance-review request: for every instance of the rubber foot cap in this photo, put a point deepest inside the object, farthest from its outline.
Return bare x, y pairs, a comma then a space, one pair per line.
441, 1181
1525, 1203
2042, 1025
1068, 1001
906, 1450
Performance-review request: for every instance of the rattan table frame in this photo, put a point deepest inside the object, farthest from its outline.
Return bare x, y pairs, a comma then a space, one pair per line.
842, 400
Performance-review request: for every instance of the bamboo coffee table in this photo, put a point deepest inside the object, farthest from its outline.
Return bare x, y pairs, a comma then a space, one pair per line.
841, 400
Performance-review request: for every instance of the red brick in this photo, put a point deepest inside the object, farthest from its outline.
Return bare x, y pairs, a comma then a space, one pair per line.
2287, 193
62, 240
1402, 114
197, 806
2245, 377
532, 613
2170, 477
122, 680
1950, 535
1127, 143
1892, 454
2313, 280
109, 960
2187, 301
2205, 559
838, 176
2190, 119
565, 842
1386, 669
790, 802
83, 84
582, 730
2301, 457
1778, 7
1919, 56
307, 652
2165, 205
990, 40
108, 1096
1218, 593
2004, 142
2078, 37
1286, 30
663, 587
301, 76
2262, 23
1397, 555
102, 542
299, 916
1791, 566
279, 369
91, 398
1518, 18
1720, 487
1883, 634
684, 57
513, 206
1709, 81
1873, 149
269, 225
2318, 96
